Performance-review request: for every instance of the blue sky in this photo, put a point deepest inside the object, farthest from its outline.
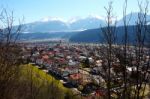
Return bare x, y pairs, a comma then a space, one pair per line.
34, 10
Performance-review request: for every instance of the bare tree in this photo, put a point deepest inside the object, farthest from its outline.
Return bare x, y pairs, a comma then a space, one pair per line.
10, 53
110, 37
141, 30
125, 41
130, 88
141, 33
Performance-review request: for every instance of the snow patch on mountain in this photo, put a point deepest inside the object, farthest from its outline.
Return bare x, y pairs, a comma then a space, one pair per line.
47, 19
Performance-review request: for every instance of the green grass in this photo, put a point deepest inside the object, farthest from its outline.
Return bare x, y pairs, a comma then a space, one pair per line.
44, 86
39, 77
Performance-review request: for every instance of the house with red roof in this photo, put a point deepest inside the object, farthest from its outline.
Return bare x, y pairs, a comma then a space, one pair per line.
74, 78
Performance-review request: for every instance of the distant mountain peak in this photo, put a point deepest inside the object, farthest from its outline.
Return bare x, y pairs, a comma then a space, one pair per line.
74, 19
47, 19
77, 18
131, 18
96, 17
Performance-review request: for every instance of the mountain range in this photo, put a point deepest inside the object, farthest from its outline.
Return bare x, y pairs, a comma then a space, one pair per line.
51, 24
75, 30
57, 25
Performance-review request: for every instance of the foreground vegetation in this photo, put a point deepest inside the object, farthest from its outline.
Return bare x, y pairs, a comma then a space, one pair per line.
40, 85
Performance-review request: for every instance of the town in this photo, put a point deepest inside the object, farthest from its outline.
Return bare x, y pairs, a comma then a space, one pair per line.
84, 66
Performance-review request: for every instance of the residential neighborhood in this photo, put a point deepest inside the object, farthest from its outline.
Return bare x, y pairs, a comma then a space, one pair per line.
84, 66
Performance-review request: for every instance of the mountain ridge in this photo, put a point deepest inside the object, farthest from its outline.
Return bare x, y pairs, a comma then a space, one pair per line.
58, 25
54, 24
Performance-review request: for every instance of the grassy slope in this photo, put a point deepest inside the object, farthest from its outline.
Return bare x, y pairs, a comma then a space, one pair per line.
40, 76
47, 84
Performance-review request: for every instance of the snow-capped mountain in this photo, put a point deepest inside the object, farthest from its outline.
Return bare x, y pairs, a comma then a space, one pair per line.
46, 25
90, 22
132, 18
76, 29
51, 24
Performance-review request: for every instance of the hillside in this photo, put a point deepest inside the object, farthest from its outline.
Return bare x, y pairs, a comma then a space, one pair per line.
96, 35
41, 85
